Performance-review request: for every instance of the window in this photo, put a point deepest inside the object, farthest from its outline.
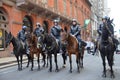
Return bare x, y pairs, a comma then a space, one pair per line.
27, 21
2, 16
71, 9
3, 27
64, 4
44, 1
56, 4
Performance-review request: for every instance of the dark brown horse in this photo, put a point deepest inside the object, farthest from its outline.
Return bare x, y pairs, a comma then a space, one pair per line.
51, 47
18, 49
72, 47
32, 43
107, 47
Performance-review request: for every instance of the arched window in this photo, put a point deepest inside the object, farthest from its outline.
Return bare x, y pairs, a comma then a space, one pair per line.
3, 28
27, 21
45, 26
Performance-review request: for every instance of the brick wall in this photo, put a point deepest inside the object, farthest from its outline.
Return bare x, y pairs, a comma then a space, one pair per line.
16, 16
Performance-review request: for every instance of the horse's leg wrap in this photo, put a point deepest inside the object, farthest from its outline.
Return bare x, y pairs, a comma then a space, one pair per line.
70, 60
50, 60
55, 57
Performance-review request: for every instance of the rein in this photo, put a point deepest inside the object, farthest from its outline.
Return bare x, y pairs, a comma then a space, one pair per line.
108, 29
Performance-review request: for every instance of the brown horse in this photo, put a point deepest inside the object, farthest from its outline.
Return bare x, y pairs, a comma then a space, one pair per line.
32, 43
72, 47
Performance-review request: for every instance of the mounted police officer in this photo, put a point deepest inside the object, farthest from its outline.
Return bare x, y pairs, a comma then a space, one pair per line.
39, 30
99, 30
75, 30
111, 30
22, 37
55, 32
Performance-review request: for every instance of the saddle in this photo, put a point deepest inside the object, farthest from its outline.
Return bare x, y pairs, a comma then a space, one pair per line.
23, 44
110, 40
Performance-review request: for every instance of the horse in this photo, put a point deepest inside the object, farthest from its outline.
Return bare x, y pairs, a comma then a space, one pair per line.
32, 43
51, 47
18, 49
72, 47
107, 48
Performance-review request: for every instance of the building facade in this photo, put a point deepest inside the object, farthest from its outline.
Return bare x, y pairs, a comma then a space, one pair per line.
99, 9
16, 13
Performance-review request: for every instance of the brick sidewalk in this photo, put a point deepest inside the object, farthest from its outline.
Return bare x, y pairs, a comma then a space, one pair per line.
8, 61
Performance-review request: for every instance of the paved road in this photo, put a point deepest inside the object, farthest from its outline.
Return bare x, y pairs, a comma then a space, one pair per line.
92, 71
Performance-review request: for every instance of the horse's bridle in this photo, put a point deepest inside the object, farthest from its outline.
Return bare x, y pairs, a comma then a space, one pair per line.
9, 40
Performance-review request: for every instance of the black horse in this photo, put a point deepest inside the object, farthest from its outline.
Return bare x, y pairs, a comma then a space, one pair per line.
107, 47
18, 49
51, 47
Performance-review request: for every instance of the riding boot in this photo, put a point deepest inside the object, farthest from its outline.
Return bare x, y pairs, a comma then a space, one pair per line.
27, 49
60, 47
79, 46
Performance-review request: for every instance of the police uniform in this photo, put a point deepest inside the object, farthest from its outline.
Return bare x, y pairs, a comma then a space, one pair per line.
55, 32
22, 37
39, 30
75, 30
21, 34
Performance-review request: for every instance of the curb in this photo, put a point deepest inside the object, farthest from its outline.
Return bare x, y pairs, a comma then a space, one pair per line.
10, 63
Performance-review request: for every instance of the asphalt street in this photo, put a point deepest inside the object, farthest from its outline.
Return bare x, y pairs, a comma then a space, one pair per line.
92, 70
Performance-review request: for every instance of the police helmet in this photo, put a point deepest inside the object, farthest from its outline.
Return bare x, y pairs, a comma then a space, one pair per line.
24, 27
37, 24
74, 20
105, 18
55, 21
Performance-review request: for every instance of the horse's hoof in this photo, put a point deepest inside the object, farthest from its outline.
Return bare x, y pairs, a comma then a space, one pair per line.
50, 70
31, 69
47, 66
57, 70
27, 66
43, 65
38, 69
78, 71
104, 75
70, 71
64, 66
112, 76
81, 66
18, 69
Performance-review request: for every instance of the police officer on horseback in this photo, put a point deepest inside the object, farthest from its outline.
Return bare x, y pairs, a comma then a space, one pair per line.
99, 30
55, 32
106, 20
75, 30
39, 30
22, 37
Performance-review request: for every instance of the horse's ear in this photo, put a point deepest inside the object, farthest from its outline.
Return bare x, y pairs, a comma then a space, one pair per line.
10, 33
65, 28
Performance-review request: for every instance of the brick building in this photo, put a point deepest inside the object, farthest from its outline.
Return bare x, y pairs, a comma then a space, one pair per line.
15, 13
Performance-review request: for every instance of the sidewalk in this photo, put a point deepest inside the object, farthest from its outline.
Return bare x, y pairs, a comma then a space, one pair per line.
9, 61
